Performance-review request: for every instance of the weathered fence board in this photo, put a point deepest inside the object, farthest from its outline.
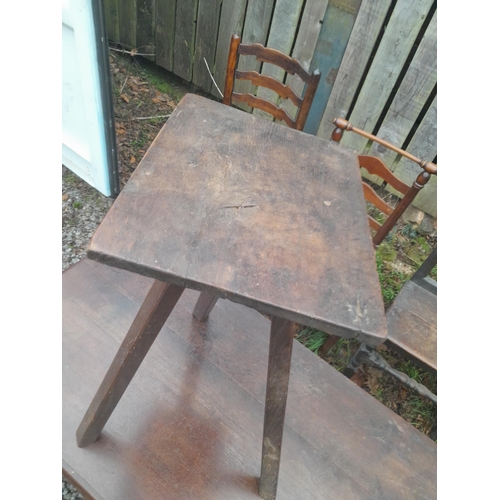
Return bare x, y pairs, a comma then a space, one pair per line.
422, 145
128, 22
281, 36
164, 33
413, 93
396, 44
185, 27
233, 15
363, 37
145, 34
303, 50
333, 39
378, 71
207, 27
111, 17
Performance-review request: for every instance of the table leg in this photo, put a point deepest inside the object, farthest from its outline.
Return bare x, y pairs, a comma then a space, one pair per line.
278, 371
204, 306
150, 319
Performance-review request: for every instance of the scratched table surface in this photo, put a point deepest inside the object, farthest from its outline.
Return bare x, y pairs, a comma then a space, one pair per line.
253, 211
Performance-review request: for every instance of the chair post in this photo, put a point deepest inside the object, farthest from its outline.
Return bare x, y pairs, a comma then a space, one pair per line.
312, 86
420, 182
231, 68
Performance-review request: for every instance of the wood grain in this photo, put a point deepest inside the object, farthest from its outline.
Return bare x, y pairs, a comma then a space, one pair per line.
190, 424
111, 18
228, 218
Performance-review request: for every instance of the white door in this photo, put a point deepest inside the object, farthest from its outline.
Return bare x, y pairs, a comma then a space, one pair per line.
88, 134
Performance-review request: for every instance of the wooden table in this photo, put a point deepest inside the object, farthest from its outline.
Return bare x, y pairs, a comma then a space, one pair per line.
249, 210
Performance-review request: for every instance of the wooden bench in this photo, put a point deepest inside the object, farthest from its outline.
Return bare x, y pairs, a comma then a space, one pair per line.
189, 426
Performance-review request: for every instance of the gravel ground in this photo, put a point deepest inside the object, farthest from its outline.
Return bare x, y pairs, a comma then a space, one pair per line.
83, 208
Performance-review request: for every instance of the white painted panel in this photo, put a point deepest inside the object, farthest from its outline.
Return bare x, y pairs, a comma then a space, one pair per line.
88, 146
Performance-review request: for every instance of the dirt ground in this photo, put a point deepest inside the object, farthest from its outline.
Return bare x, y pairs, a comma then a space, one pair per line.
144, 96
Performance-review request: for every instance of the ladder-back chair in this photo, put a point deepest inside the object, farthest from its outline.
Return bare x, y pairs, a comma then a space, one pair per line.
376, 167
288, 64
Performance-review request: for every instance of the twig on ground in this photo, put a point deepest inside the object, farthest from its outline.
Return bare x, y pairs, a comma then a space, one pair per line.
147, 117
123, 86
132, 53
208, 69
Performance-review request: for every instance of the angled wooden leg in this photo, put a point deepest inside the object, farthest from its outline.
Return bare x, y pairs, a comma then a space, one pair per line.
150, 319
204, 305
278, 371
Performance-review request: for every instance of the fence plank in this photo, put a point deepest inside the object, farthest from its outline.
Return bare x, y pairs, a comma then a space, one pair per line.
128, 22
255, 30
111, 19
185, 30
424, 146
145, 39
303, 51
333, 39
207, 26
232, 16
363, 37
399, 37
164, 33
415, 89
286, 17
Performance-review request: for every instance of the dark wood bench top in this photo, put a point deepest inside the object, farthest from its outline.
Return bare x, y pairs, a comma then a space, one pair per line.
189, 425
250, 210
412, 324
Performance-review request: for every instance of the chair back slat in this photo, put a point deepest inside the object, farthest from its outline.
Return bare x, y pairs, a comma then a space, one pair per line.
271, 83
376, 166
372, 197
276, 57
268, 107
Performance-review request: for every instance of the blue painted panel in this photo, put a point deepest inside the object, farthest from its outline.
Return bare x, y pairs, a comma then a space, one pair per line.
332, 42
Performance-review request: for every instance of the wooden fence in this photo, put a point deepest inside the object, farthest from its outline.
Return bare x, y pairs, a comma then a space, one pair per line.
377, 60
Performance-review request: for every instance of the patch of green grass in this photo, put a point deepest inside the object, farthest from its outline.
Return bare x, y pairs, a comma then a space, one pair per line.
311, 338
77, 204
391, 281
139, 142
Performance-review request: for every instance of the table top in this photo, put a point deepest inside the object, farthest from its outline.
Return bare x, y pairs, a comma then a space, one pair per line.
250, 210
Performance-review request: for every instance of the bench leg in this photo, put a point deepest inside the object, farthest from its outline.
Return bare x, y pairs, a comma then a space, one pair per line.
150, 319
204, 306
278, 371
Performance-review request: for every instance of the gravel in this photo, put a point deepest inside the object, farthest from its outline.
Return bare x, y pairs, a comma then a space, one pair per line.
83, 208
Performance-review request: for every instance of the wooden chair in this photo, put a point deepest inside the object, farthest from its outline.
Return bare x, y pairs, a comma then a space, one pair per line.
272, 56
375, 166
411, 330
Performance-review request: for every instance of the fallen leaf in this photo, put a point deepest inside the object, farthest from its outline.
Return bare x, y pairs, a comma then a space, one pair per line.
327, 203
125, 98
65, 197
133, 52
359, 379
132, 159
